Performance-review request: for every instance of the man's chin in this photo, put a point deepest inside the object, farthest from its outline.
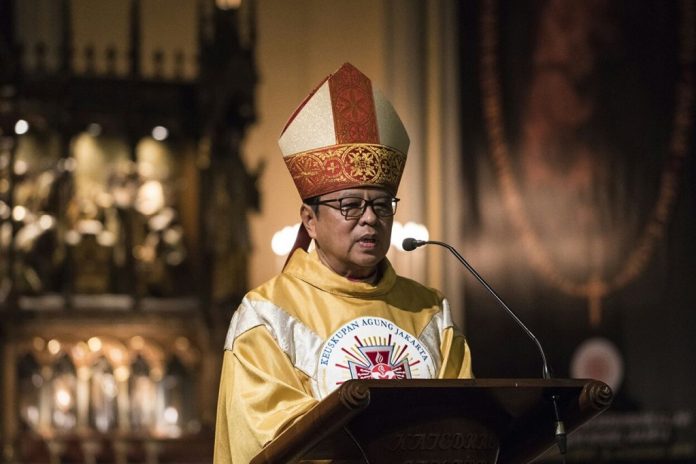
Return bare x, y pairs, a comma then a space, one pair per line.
369, 261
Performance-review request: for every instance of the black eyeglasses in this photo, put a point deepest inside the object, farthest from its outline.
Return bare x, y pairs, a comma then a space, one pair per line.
354, 207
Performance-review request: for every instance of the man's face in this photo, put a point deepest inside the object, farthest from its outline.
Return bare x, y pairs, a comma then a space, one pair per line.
350, 247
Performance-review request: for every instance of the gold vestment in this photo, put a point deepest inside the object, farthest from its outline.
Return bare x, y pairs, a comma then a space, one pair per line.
276, 336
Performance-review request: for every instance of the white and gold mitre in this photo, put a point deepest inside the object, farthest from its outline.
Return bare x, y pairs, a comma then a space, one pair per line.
344, 134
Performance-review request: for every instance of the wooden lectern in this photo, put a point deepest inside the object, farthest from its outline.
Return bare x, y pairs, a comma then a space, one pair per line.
437, 421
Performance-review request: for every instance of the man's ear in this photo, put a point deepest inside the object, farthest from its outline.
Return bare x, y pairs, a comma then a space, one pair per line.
309, 220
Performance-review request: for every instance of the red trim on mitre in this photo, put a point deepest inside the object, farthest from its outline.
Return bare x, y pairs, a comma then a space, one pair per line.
353, 105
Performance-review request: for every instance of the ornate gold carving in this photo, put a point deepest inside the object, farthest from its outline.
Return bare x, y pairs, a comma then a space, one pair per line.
343, 166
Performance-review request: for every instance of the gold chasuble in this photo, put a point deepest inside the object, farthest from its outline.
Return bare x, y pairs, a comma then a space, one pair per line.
297, 337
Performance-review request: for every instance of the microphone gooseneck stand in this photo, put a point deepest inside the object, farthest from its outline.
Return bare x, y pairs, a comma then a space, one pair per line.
410, 244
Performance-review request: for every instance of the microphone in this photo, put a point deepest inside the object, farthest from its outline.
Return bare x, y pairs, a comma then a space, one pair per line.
410, 244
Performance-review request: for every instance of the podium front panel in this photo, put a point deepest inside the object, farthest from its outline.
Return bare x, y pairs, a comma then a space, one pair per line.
478, 421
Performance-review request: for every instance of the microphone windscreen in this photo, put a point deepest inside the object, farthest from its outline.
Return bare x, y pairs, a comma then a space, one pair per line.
409, 244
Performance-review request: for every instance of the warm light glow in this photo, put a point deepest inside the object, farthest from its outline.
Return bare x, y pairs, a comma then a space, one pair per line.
137, 343
145, 254
598, 358
19, 213
121, 373
228, 4
160, 133
150, 198
69, 164
21, 167
417, 231
36, 380
116, 355
80, 351
90, 226
54, 346
171, 415
105, 199
408, 230
95, 344
38, 343
162, 219
63, 399
46, 221
106, 238
397, 235
73, 237
4, 210
21, 127
32, 415
172, 236
284, 239
108, 385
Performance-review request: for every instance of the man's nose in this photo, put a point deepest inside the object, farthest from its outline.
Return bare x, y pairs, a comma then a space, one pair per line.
368, 216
